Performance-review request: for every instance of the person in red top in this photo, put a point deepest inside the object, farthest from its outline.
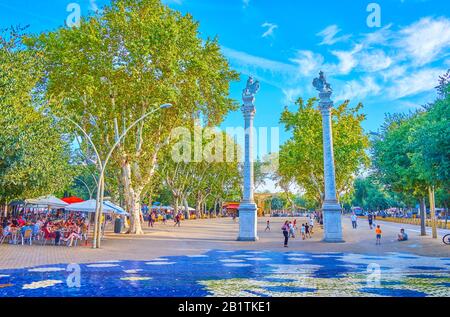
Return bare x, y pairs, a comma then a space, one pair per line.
177, 220
21, 222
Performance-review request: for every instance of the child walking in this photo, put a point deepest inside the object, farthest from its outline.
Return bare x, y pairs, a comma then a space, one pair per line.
307, 233
378, 233
267, 225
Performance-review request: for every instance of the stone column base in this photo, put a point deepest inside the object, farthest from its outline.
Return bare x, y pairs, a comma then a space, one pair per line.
248, 222
332, 223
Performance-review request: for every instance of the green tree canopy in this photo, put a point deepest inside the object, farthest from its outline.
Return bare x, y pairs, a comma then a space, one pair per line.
125, 62
301, 157
34, 156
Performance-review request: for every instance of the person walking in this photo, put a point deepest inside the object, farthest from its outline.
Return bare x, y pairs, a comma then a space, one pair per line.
267, 226
151, 219
378, 233
291, 230
307, 233
354, 219
303, 231
177, 220
311, 225
370, 219
285, 229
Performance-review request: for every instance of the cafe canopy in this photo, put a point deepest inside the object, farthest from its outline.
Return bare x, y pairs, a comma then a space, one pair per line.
46, 202
72, 200
189, 208
118, 210
89, 206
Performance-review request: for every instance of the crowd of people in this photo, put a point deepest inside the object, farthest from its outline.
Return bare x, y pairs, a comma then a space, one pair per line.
44, 228
153, 216
291, 229
371, 219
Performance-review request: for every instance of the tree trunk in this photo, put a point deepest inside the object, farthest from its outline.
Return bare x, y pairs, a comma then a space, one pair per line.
216, 202
198, 207
136, 221
175, 211
446, 214
423, 211
433, 213
186, 208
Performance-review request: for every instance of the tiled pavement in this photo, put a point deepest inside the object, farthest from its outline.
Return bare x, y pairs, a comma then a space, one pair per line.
306, 268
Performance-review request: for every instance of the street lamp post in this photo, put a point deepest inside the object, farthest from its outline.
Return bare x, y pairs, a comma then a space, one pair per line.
102, 169
331, 208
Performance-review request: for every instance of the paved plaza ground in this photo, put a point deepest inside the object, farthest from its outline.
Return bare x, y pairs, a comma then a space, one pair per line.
203, 258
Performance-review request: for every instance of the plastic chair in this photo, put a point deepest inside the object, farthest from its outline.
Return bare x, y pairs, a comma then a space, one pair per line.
27, 235
4, 236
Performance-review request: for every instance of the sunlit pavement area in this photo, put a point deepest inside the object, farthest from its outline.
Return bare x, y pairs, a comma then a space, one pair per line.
202, 258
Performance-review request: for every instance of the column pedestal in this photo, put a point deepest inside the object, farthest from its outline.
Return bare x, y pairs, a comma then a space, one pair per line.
248, 222
332, 222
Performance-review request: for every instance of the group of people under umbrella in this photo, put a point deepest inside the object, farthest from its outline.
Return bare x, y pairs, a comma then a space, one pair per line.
52, 219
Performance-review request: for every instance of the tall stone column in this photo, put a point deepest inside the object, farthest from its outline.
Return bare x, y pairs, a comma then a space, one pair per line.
331, 208
248, 215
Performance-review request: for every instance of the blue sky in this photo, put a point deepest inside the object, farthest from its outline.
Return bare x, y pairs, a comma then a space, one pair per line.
284, 44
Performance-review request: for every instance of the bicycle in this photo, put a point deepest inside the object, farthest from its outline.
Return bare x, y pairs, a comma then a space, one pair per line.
446, 239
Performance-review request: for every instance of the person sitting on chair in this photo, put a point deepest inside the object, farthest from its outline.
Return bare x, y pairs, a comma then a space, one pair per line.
402, 236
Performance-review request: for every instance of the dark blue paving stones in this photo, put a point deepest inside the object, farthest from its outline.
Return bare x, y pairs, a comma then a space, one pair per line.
427, 268
425, 276
445, 284
389, 292
287, 289
233, 273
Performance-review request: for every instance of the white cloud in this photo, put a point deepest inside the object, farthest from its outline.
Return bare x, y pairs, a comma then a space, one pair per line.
416, 83
93, 6
308, 62
270, 29
245, 3
425, 40
251, 61
359, 89
393, 72
329, 35
347, 60
374, 68
374, 61
378, 37
291, 95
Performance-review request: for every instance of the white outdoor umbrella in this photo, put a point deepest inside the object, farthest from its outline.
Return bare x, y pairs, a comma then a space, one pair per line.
47, 201
117, 209
89, 206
